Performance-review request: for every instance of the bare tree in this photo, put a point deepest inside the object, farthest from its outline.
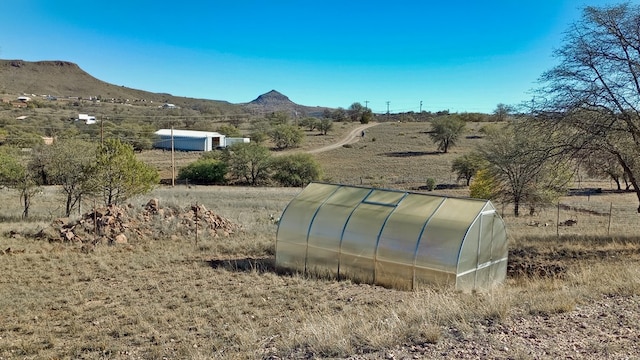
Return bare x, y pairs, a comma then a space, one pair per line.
520, 170
502, 112
603, 164
593, 95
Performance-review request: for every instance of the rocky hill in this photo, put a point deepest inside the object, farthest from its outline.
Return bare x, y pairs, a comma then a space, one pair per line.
273, 101
65, 79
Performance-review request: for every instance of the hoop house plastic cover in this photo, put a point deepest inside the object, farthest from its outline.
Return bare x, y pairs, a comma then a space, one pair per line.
392, 238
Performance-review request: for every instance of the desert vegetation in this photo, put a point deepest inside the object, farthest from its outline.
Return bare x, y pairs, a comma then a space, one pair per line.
99, 261
168, 293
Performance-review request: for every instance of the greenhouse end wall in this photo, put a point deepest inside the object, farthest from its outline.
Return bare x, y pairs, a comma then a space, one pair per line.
392, 238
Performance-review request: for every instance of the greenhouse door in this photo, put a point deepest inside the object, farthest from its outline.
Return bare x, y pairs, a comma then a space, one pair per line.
484, 267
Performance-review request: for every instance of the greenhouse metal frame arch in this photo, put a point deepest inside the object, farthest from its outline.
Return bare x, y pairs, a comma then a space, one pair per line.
392, 238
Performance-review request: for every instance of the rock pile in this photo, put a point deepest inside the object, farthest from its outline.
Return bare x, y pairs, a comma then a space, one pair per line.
117, 224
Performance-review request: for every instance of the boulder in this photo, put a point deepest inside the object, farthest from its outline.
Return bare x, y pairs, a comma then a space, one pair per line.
153, 205
120, 239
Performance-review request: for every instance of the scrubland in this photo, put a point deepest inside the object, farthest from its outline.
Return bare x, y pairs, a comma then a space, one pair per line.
571, 291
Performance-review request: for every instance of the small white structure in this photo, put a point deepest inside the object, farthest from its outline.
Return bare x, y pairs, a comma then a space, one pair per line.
230, 141
88, 119
191, 140
24, 98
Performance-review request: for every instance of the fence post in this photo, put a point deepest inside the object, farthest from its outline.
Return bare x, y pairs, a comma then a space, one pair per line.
196, 212
558, 221
95, 223
609, 225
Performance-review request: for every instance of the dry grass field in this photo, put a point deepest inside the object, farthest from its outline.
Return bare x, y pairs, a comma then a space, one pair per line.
571, 291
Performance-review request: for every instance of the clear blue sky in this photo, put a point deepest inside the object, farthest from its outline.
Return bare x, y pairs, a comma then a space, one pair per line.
464, 56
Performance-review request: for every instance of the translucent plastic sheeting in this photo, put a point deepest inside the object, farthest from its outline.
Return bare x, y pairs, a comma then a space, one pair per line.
393, 238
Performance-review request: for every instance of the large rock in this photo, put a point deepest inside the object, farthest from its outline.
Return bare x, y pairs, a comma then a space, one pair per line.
152, 206
120, 239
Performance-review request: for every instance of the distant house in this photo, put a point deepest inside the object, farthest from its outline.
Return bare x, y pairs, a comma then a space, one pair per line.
191, 140
87, 119
24, 98
188, 140
48, 140
169, 106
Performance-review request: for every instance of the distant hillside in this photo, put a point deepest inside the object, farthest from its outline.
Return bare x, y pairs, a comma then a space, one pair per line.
66, 79
275, 101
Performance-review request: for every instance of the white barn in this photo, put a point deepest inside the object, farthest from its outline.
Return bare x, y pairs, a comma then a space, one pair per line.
192, 140
189, 140
87, 119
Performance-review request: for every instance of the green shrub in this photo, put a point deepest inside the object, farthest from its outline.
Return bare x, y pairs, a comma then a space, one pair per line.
295, 170
204, 171
286, 136
431, 184
229, 130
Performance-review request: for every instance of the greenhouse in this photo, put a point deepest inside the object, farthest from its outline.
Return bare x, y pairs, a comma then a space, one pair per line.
392, 238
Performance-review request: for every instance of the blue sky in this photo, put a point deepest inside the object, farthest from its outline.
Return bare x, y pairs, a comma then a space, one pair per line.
464, 56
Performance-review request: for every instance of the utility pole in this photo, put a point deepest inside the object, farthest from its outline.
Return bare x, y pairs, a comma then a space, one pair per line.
388, 102
173, 162
366, 104
420, 106
101, 133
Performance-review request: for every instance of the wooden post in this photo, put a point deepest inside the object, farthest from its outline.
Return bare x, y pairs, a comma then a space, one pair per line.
196, 224
610, 211
173, 161
558, 221
95, 223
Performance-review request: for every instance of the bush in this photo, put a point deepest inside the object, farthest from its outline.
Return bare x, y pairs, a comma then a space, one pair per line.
483, 185
295, 170
204, 171
286, 136
431, 184
229, 130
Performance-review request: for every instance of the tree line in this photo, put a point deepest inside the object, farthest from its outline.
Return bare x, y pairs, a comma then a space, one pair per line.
585, 115
252, 164
109, 171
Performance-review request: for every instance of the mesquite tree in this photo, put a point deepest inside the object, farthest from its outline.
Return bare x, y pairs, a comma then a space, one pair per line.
593, 94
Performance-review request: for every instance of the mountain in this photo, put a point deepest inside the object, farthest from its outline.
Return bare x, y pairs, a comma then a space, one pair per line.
65, 79
273, 101
272, 98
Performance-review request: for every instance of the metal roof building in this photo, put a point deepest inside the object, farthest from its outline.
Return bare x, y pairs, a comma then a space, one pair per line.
392, 238
189, 140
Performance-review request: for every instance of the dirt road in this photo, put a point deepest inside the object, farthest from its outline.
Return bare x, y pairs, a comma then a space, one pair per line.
352, 137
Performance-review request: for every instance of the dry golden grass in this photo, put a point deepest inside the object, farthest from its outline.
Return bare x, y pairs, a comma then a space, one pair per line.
223, 299
396, 155
161, 159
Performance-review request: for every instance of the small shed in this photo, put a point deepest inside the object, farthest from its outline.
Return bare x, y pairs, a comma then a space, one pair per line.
392, 238
87, 119
189, 140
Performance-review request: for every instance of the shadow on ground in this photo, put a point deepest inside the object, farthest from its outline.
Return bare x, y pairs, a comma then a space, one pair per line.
411, 153
261, 265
